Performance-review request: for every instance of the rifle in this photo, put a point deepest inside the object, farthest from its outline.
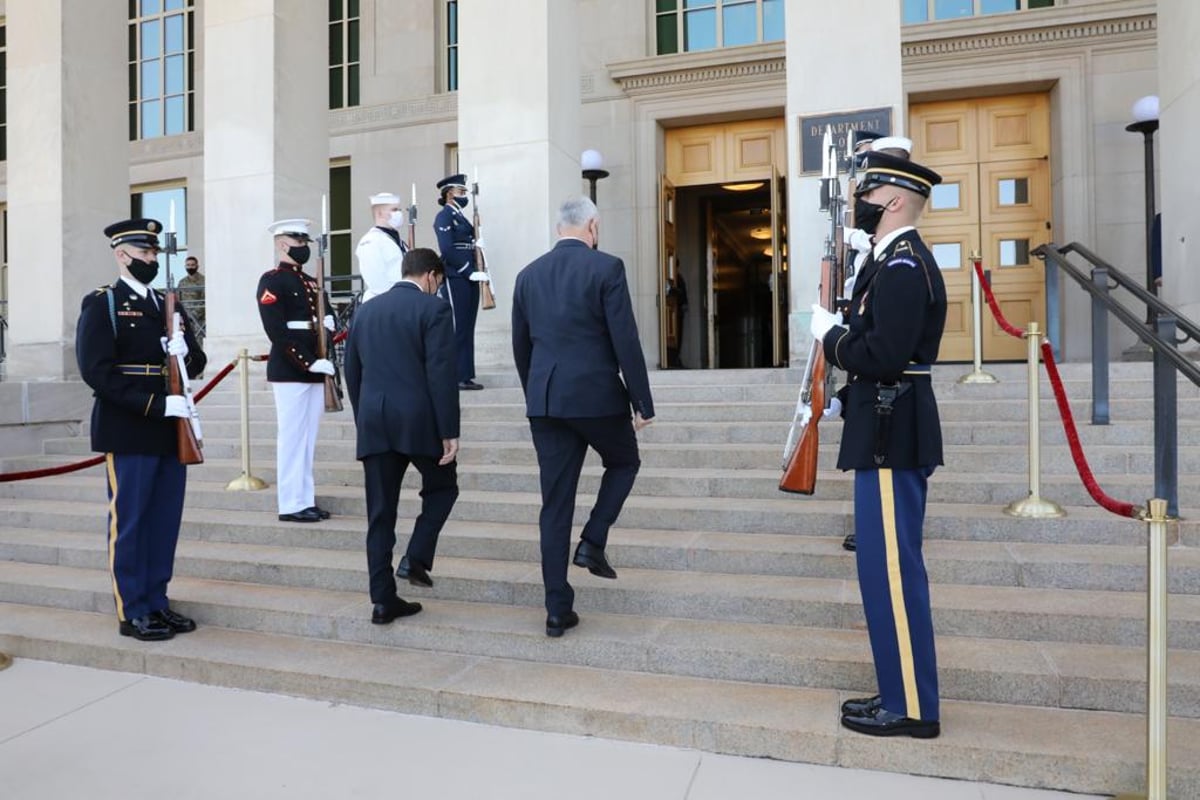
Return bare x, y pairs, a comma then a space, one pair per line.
412, 220
800, 458
333, 392
486, 297
187, 431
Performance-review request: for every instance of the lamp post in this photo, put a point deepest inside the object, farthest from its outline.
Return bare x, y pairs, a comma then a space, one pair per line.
592, 163
1145, 122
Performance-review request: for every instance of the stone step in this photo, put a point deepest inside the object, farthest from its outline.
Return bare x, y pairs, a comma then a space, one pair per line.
1055, 615
791, 514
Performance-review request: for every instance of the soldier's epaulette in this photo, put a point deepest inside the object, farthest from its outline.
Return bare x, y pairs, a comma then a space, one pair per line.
103, 289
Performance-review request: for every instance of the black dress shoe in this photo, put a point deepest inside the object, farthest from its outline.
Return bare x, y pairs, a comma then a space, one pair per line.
879, 721
178, 623
592, 557
414, 573
850, 543
307, 515
558, 624
322, 513
469, 385
861, 705
148, 628
384, 613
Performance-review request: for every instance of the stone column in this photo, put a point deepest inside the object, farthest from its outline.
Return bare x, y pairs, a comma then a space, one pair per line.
68, 170
859, 42
518, 128
1178, 159
266, 149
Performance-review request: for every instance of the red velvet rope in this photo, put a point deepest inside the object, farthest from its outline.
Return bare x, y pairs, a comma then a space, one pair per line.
340, 336
6, 477
1107, 502
1004, 324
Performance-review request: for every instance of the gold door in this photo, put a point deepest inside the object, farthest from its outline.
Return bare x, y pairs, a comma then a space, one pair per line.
993, 155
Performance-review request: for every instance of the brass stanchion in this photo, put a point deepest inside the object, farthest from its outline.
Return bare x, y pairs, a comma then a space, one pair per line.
1034, 506
977, 375
246, 482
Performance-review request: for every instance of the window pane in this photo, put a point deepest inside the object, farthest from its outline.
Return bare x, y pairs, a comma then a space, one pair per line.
916, 11
952, 9
151, 39
700, 30
452, 23
352, 99
176, 121
151, 79
335, 44
944, 196
352, 9
335, 87
151, 119
666, 5
352, 43
741, 24
174, 5
175, 33
151, 7
335, 10
698, 3
668, 34
452, 71
340, 202
1000, 6
133, 126
175, 83
1013, 191
132, 43
1014, 252
773, 22
948, 255
1041, 3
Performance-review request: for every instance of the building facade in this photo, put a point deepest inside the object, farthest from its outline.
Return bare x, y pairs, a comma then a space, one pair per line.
238, 112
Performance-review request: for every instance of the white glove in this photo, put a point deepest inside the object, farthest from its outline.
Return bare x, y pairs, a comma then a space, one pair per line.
323, 366
822, 321
805, 415
834, 410
856, 238
481, 277
329, 323
177, 406
848, 286
479, 244
175, 346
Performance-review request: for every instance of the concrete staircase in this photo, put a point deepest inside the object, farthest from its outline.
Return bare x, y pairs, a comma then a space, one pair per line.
735, 626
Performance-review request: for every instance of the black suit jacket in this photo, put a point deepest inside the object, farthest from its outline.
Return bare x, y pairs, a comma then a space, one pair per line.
574, 336
400, 373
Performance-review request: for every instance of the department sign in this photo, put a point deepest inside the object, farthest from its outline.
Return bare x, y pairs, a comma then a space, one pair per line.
812, 129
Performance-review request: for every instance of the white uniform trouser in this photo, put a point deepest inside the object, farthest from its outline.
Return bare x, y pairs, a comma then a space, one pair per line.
298, 410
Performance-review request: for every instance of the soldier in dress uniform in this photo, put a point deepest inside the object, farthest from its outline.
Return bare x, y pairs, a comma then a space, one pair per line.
287, 303
121, 346
381, 249
892, 439
457, 242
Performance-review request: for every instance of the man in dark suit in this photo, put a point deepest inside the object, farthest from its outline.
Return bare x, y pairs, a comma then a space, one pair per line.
574, 337
401, 378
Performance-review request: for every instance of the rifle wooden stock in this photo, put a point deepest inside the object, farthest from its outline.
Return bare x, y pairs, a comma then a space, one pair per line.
188, 445
333, 394
487, 299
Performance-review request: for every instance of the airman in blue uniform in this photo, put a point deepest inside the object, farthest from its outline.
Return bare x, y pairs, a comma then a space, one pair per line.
457, 243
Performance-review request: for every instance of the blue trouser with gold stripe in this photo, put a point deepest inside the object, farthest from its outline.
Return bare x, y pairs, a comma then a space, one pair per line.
889, 512
145, 505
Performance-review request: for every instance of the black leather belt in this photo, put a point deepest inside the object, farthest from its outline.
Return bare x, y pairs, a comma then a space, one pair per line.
140, 369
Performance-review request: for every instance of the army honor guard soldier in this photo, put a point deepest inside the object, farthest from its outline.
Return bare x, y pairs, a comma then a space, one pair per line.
892, 439
457, 243
121, 346
287, 304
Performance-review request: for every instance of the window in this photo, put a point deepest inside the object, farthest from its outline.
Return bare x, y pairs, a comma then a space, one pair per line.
161, 67
450, 26
156, 203
343, 53
3, 94
341, 247
927, 10
690, 25
451, 159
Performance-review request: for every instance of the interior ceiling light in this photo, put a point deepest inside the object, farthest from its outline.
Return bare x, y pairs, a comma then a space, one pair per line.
760, 233
742, 187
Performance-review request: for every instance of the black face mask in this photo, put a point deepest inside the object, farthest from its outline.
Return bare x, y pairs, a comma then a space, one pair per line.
867, 215
143, 271
461, 202
192, 270
299, 254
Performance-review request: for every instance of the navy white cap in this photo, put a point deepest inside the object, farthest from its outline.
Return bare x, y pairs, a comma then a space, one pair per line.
138, 232
299, 228
892, 143
385, 199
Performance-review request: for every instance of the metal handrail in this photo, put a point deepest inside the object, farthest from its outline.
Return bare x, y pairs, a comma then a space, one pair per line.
3, 328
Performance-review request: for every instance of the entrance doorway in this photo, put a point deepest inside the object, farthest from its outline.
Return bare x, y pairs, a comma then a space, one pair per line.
723, 296
994, 158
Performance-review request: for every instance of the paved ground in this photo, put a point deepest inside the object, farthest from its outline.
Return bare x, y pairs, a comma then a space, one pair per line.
68, 732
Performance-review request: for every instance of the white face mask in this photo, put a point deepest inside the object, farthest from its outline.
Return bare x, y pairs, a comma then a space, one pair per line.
396, 220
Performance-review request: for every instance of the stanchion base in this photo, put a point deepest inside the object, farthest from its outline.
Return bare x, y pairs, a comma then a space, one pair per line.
5, 661
246, 483
1034, 508
979, 377
1130, 796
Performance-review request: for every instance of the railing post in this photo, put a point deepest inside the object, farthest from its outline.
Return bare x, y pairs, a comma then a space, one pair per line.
977, 375
1034, 506
1166, 422
1099, 349
1053, 314
246, 482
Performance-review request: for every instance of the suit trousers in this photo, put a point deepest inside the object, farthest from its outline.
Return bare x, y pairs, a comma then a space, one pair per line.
561, 446
889, 513
298, 410
145, 505
384, 472
464, 301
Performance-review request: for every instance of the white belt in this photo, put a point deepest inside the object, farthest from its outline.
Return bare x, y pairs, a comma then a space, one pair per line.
299, 325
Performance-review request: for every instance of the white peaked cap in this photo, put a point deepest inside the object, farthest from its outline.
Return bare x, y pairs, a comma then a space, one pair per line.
892, 143
298, 227
385, 199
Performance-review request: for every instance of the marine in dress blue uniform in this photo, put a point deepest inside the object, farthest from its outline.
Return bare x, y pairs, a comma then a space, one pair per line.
121, 348
892, 440
456, 241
